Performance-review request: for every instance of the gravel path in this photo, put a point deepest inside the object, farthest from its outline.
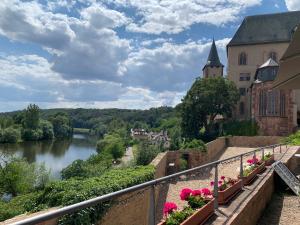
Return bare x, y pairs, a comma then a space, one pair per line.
203, 180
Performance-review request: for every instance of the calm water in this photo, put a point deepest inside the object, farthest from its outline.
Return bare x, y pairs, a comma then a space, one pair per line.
55, 154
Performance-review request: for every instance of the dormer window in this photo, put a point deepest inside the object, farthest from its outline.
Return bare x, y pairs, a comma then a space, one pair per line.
273, 55
243, 59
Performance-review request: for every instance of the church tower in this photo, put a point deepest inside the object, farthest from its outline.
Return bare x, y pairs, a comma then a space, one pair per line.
213, 66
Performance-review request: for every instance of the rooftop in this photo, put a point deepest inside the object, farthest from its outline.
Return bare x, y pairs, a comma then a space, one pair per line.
266, 28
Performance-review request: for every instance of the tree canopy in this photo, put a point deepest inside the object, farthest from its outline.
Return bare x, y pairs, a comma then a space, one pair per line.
206, 99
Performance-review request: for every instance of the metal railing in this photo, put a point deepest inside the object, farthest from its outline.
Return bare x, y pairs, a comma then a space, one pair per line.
151, 185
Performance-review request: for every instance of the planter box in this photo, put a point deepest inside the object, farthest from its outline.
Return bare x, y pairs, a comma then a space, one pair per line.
200, 216
250, 178
270, 161
226, 195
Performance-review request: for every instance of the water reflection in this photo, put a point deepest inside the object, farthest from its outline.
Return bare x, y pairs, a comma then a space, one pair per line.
55, 154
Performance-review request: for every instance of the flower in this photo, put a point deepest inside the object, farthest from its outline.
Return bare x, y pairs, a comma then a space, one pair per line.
169, 207
222, 177
206, 191
212, 183
185, 193
220, 182
196, 192
250, 161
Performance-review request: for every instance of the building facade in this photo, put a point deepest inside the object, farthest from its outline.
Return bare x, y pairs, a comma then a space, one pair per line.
257, 40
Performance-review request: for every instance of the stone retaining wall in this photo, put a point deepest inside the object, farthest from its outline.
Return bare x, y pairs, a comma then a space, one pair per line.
253, 141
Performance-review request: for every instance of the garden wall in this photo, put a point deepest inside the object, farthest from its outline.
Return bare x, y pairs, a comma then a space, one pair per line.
252, 141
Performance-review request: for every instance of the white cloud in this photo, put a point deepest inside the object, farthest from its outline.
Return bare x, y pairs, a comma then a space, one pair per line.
292, 5
172, 17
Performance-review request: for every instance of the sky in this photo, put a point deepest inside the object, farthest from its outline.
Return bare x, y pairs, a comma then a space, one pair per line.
132, 54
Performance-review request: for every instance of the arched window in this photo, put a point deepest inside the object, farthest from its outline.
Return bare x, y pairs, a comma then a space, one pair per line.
243, 59
273, 55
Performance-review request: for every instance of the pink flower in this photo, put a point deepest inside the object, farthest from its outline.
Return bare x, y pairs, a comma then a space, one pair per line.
196, 192
185, 193
222, 177
250, 161
220, 182
169, 207
206, 191
212, 183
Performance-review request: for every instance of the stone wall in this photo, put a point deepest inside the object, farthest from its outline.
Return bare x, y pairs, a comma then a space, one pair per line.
253, 141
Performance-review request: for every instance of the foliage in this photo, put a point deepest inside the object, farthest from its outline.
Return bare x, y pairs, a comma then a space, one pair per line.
32, 135
177, 217
183, 164
224, 183
47, 129
61, 125
32, 117
66, 192
10, 135
194, 144
146, 152
206, 99
18, 205
293, 139
95, 165
17, 176
111, 144
267, 156
240, 128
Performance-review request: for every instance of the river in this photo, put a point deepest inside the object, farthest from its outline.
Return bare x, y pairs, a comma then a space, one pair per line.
55, 154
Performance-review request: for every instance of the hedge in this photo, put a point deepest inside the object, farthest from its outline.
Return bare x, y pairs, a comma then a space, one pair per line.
66, 192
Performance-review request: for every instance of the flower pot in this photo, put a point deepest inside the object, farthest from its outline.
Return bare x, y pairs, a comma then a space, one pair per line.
226, 195
270, 161
251, 177
200, 216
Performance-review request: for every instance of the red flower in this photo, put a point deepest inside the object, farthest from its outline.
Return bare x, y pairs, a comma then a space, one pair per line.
250, 161
169, 208
222, 177
206, 191
196, 192
185, 193
212, 183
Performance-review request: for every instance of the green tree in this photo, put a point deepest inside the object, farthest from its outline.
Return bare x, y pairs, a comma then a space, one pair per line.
146, 153
112, 144
10, 135
207, 98
32, 117
47, 129
61, 125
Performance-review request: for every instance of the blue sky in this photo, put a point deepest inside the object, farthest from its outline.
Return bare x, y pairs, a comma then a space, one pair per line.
113, 53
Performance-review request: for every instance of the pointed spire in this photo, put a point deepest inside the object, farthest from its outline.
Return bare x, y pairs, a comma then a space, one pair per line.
213, 57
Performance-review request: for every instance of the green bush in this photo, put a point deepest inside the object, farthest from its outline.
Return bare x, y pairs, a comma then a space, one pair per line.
183, 164
10, 135
241, 128
66, 192
196, 144
111, 144
146, 153
293, 139
47, 129
18, 205
32, 135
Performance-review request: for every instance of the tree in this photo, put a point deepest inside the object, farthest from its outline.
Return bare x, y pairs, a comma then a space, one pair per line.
111, 144
146, 153
207, 98
32, 117
61, 125
47, 129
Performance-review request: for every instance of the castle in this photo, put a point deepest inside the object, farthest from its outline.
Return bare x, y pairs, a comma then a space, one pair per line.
252, 64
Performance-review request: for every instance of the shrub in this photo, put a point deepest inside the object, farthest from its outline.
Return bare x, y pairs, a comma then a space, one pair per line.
10, 135
47, 129
241, 128
111, 144
146, 153
293, 139
32, 135
183, 164
61, 193
194, 144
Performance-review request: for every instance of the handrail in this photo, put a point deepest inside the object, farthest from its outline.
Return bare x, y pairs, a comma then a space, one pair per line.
94, 201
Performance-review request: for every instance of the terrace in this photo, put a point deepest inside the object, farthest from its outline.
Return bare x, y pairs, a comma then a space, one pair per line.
143, 203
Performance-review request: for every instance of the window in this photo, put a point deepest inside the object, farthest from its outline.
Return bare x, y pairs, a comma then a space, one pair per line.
271, 103
244, 76
242, 108
273, 55
242, 91
243, 59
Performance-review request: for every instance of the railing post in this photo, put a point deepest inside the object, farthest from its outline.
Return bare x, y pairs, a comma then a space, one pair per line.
152, 210
241, 170
273, 149
263, 153
280, 148
216, 186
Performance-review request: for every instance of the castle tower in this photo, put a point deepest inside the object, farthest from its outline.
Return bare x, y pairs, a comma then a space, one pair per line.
213, 66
